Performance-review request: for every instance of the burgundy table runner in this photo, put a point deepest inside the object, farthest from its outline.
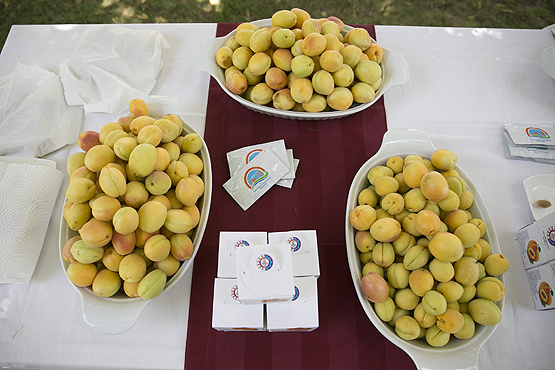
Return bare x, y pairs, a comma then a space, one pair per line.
330, 154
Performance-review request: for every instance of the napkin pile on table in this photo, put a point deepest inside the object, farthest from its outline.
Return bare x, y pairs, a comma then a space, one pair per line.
112, 65
27, 197
34, 117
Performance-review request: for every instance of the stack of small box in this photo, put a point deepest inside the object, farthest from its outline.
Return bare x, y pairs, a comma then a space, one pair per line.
537, 247
267, 281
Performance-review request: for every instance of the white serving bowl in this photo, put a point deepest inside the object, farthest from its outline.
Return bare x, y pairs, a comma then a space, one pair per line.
457, 354
395, 72
119, 313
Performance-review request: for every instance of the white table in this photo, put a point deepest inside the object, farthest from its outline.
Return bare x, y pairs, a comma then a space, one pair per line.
464, 85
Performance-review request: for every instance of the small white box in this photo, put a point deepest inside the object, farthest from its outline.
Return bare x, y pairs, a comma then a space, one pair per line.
542, 281
537, 242
304, 250
265, 273
229, 242
299, 314
228, 314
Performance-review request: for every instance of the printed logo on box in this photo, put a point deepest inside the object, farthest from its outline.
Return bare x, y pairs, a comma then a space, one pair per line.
242, 243
297, 294
546, 294
551, 235
295, 243
533, 251
235, 292
265, 262
252, 154
255, 177
536, 132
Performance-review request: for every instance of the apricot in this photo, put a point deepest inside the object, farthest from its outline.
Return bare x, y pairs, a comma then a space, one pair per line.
181, 247
360, 37
434, 186
138, 107
85, 254
310, 26
374, 52
178, 221
88, 139
152, 216
368, 71
124, 146
427, 222
262, 94
468, 233
152, 284
406, 299
224, 57
413, 172
81, 274
341, 98
316, 103
77, 215
283, 100
444, 159
344, 76
301, 90
434, 303
441, 271
282, 59
123, 244
374, 287
142, 160
74, 162
385, 310
362, 92
484, 311
496, 264
105, 207
157, 248
436, 337
407, 328
392, 203
446, 247
98, 156
126, 220
451, 321
260, 40
416, 257
132, 268
106, 283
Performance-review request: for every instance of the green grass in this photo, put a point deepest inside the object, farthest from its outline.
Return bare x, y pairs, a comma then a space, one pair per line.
451, 13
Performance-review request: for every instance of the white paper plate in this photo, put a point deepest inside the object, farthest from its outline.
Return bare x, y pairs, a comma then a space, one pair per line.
119, 313
395, 72
540, 187
457, 354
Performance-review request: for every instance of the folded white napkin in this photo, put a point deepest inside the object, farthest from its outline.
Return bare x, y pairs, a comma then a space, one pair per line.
34, 117
27, 197
112, 65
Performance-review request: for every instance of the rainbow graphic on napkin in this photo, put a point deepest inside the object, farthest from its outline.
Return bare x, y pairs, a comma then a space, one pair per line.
254, 176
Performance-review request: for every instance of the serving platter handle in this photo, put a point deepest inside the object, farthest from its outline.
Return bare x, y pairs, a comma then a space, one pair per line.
205, 59
405, 140
110, 316
397, 72
467, 360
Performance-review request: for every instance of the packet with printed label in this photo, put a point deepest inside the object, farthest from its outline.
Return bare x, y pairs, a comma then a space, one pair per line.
240, 157
255, 178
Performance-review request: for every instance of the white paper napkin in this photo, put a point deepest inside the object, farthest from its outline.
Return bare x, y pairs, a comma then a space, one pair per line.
111, 66
34, 117
27, 197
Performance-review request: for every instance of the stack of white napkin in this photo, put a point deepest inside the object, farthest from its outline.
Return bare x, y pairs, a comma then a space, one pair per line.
28, 194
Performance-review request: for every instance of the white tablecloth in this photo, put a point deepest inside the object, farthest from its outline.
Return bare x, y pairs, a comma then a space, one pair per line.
41, 325
464, 85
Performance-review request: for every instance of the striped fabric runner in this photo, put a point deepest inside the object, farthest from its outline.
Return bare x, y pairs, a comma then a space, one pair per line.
330, 154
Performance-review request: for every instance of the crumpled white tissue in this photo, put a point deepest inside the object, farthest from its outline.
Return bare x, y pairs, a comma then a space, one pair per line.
34, 117
27, 197
111, 66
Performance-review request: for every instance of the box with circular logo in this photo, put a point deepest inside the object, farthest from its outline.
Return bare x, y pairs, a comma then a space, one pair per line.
537, 242
542, 283
228, 314
229, 242
265, 273
298, 314
304, 250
